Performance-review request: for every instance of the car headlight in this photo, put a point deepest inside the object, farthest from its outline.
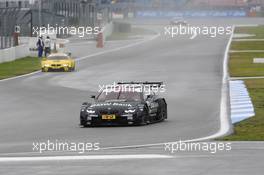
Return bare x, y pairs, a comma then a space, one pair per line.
65, 65
130, 111
46, 65
90, 111
141, 107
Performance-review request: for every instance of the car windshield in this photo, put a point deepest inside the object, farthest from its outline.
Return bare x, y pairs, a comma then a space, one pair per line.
57, 57
119, 96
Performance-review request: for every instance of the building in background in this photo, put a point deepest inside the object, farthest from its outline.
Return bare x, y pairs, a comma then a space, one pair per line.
58, 12
29, 13
225, 3
15, 3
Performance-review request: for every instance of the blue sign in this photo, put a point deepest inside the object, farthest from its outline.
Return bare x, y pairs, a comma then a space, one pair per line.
205, 13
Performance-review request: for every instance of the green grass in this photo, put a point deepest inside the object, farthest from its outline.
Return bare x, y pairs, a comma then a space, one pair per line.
258, 31
19, 67
135, 33
247, 45
241, 65
260, 14
251, 129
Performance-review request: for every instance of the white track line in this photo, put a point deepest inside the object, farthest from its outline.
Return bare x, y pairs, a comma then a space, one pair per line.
246, 51
118, 49
248, 25
225, 124
246, 78
89, 56
91, 157
248, 40
20, 76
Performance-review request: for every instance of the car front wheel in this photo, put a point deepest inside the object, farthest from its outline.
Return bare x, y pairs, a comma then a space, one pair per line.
162, 111
45, 69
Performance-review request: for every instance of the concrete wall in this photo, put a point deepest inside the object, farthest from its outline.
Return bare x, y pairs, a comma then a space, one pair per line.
28, 46
13, 53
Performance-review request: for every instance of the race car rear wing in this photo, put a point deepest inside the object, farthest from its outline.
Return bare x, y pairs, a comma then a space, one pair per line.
157, 84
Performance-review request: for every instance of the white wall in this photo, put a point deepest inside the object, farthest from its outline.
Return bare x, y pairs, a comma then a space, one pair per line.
13, 53
23, 50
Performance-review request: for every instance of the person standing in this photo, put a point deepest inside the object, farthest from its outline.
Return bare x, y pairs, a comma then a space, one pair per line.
47, 46
40, 45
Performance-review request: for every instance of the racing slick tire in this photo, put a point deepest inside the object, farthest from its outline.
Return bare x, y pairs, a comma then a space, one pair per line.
67, 69
73, 69
162, 110
83, 123
45, 69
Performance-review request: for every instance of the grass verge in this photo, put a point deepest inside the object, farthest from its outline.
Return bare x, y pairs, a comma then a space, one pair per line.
247, 45
241, 65
19, 67
257, 31
251, 129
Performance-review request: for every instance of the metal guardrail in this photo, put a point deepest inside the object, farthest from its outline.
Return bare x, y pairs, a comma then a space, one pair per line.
8, 18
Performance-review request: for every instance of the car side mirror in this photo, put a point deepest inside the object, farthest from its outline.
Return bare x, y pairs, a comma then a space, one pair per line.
69, 54
93, 96
149, 96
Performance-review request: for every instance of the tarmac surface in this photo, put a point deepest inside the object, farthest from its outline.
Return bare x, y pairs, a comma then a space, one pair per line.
45, 106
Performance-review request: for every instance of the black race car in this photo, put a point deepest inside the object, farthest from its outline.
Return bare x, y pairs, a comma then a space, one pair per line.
127, 107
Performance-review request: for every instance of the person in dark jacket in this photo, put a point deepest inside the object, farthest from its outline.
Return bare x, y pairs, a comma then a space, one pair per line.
40, 45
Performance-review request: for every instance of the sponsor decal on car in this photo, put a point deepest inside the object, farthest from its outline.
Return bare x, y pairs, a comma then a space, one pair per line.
111, 104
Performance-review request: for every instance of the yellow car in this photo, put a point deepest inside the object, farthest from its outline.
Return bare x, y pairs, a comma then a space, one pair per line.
58, 61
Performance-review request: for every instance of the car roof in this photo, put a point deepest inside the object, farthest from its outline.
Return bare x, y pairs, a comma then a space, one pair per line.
124, 88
